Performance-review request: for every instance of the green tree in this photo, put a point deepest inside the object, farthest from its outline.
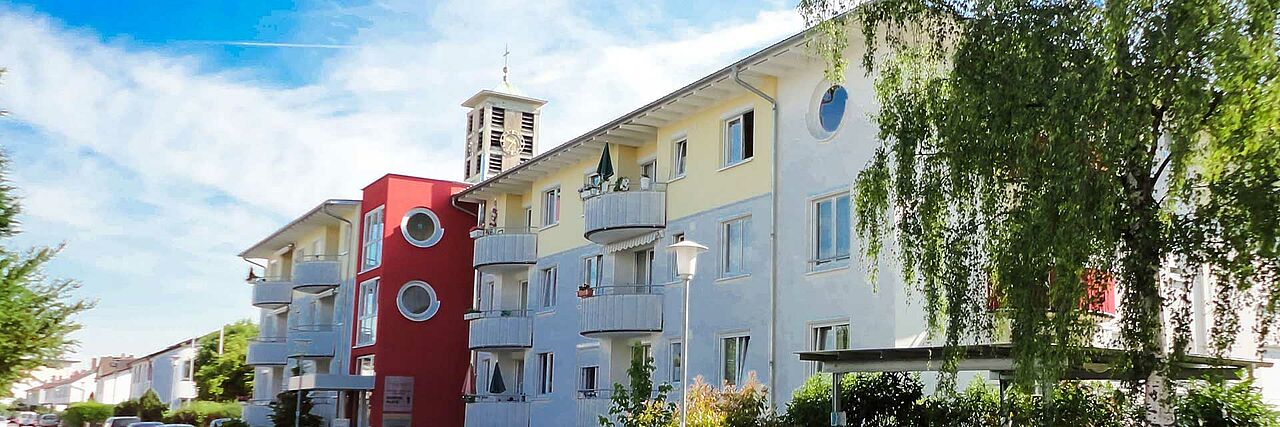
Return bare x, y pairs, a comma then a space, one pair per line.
285, 407
640, 404
37, 313
223, 376
149, 407
1033, 150
77, 414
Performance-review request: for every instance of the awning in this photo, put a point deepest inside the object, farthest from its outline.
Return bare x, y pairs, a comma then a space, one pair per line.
633, 242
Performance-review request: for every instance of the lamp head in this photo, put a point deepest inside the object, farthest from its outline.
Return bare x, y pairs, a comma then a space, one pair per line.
686, 253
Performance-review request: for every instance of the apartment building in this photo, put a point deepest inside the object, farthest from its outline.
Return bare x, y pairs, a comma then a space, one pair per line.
302, 285
170, 372
112, 379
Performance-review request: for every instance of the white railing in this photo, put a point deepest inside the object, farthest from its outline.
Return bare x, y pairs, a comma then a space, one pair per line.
505, 246
315, 273
311, 341
593, 404
615, 215
266, 351
500, 330
496, 411
271, 293
625, 309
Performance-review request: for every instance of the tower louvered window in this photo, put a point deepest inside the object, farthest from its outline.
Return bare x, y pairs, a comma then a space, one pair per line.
495, 164
497, 115
526, 132
495, 138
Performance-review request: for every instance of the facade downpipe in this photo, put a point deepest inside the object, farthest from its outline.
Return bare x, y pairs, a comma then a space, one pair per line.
346, 361
773, 237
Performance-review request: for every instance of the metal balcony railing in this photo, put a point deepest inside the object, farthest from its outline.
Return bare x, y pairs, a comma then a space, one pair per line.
505, 248
495, 330
627, 309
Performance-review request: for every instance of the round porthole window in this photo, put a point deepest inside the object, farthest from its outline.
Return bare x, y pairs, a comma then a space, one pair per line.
421, 227
417, 301
831, 108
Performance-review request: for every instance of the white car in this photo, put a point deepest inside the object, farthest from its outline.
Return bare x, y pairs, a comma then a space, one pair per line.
49, 420
120, 421
26, 418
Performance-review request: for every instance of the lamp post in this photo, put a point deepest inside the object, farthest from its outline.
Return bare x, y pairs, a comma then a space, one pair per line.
686, 252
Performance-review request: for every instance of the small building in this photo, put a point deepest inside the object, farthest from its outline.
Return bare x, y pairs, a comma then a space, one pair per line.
113, 379
170, 372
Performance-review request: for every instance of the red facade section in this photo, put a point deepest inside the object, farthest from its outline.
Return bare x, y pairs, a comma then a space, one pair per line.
433, 351
1101, 294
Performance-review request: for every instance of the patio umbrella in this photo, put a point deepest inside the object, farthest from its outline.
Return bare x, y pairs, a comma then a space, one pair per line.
469, 383
605, 169
496, 385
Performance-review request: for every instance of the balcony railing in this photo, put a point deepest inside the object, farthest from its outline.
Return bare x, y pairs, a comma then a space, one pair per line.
317, 273
505, 249
266, 351
257, 412
615, 215
331, 382
496, 410
496, 330
593, 404
311, 340
271, 292
621, 310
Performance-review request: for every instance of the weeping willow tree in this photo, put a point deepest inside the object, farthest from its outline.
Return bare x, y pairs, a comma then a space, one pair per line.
1034, 150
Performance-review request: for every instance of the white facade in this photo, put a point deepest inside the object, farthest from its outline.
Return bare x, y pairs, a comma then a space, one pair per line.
113, 387
20, 389
169, 372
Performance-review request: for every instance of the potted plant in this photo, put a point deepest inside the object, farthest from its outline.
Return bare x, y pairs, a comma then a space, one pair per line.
585, 291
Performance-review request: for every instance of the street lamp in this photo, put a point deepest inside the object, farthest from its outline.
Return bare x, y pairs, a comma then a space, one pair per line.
686, 252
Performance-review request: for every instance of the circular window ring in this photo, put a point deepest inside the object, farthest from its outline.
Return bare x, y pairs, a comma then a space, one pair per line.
421, 227
417, 301
828, 110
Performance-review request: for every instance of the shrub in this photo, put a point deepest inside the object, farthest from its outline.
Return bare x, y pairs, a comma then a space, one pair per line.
235, 422
150, 408
77, 414
977, 406
1213, 403
182, 416
639, 405
744, 406
283, 409
126, 408
878, 399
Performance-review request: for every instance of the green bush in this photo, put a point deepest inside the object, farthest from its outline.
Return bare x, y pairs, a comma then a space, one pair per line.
182, 416
150, 408
286, 404
641, 404
200, 412
977, 406
235, 422
77, 414
126, 409
879, 399
1210, 403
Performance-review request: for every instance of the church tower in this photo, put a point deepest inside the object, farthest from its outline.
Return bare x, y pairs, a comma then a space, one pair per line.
502, 129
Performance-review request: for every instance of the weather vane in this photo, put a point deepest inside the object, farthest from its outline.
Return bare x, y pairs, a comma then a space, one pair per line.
506, 51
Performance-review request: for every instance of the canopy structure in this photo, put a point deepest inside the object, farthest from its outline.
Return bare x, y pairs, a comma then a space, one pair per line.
1098, 363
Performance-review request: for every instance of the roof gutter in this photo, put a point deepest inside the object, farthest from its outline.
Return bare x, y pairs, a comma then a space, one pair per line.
773, 239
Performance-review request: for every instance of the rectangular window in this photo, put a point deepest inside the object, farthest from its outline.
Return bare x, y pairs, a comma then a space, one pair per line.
649, 169
591, 270
828, 337
364, 366
831, 229
644, 267
587, 381
671, 257
367, 316
679, 153
528, 218
546, 372
548, 286
733, 237
188, 370
739, 139
677, 362
372, 246
524, 295
550, 207
733, 357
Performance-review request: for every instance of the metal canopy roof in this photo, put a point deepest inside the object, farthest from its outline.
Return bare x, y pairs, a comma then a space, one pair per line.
296, 228
1098, 363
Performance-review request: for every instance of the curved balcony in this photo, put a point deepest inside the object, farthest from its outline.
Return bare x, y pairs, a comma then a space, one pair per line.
257, 412
505, 249
621, 310
497, 410
612, 217
317, 273
592, 404
330, 382
498, 330
271, 293
266, 351
311, 341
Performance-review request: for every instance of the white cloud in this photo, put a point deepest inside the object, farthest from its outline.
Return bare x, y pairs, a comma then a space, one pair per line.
164, 135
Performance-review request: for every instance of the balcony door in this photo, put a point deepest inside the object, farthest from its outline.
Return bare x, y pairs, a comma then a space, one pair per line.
644, 270
524, 295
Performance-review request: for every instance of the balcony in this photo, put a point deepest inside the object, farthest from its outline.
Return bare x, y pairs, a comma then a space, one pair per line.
266, 351
311, 341
498, 330
500, 250
317, 273
256, 413
271, 293
331, 382
591, 405
497, 411
615, 216
621, 310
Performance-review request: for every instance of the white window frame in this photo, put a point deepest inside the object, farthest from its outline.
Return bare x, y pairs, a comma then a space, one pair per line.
651, 164
679, 157
671, 257
739, 357
361, 364
729, 249
815, 330
371, 238
427, 314
548, 279
597, 261
726, 138
551, 211
367, 311
816, 231
675, 373
546, 372
595, 378
431, 240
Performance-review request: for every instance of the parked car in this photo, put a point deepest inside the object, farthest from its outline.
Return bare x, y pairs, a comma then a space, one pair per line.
215, 423
120, 421
49, 420
27, 418
146, 424
177, 425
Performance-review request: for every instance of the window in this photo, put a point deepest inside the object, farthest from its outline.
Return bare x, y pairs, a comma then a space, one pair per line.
591, 267
644, 352
524, 295
644, 267
587, 381
733, 357
548, 286
679, 152
831, 108
831, 337
546, 372
831, 229
677, 362
364, 366
373, 223
739, 139
188, 370
417, 301
733, 238
649, 169
367, 316
671, 257
528, 218
421, 227
551, 207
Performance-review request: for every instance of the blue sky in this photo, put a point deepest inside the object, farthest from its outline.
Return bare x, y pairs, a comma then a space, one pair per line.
154, 141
